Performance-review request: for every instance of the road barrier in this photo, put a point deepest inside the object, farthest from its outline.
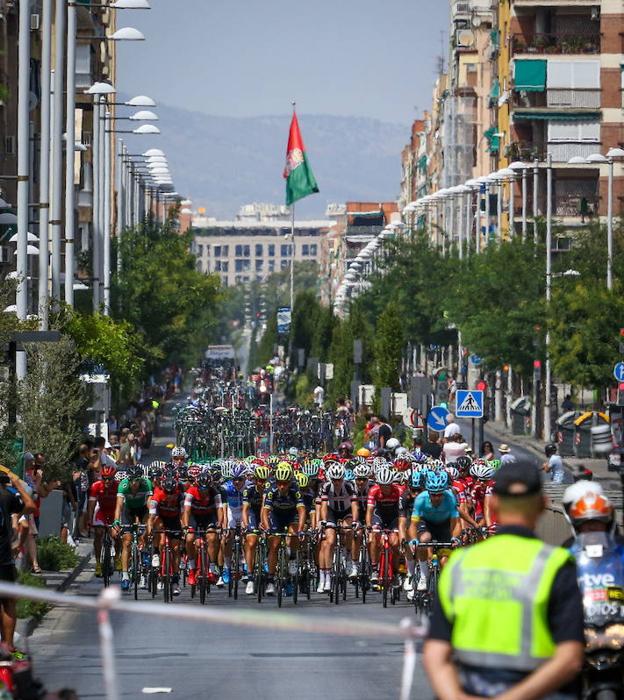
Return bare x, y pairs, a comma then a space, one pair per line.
110, 600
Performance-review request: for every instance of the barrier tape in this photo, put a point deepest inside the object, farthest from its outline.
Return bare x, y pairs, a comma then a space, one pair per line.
110, 600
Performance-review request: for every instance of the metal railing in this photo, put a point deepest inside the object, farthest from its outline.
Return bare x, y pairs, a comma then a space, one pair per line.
110, 600
557, 43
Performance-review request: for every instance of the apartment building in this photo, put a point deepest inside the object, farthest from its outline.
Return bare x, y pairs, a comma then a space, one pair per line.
243, 250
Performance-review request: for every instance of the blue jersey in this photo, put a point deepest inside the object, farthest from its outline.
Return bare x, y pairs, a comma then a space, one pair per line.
283, 503
231, 496
425, 510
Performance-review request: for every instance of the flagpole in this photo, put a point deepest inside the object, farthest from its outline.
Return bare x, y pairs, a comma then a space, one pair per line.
292, 265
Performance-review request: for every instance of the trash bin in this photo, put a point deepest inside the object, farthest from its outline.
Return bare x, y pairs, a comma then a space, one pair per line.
520, 412
583, 442
566, 432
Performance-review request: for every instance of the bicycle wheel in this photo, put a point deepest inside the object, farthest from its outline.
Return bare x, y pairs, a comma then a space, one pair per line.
335, 593
135, 569
236, 566
203, 576
166, 576
107, 564
295, 580
279, 579
385, 583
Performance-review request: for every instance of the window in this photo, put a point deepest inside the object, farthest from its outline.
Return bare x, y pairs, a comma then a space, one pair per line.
242, 265
259, 265
577, 131
259, 249
271, 265
285, 250
207, 249
218, 264
242, 251
224, 281
573, 74
271, 250
305, 249
200, 250
313, 249
217, 251
245, 279
224, 266
225, 250
283, 264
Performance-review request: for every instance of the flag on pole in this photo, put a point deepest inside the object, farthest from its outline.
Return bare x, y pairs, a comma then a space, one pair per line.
298, 174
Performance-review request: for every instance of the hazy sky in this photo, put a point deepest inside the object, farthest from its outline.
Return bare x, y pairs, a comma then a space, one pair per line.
374, 58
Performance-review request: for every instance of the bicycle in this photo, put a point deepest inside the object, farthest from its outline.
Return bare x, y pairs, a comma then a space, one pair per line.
338, 574
387, 579
107, 557
423, 600
282, 577
166, 564
202, 573
260, 565
136, 568
235, 563
307, 565
362, 581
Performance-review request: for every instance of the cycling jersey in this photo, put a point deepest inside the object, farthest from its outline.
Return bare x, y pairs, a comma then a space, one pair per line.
105, 495
309, 499
135, 499
283, 503
406, 503
478, 492
338, 500
254, 498
425, 510
361, 495
233, 498
166, 505
386, 503
202, 502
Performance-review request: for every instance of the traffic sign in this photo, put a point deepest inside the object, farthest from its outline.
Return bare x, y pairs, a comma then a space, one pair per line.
469, 403
618, 371
476, 360
436, 420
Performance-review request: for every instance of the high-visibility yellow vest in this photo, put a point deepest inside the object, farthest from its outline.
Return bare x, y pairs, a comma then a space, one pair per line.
495, 594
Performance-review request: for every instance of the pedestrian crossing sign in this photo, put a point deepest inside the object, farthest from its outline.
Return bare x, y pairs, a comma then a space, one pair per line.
469, 403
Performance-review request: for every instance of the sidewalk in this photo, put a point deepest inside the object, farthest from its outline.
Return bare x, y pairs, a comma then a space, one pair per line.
57, 581
597, 466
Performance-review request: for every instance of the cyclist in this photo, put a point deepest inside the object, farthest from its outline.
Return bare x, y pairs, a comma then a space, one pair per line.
407, 528
482, 474
382, 512
339, 508
283, 511
131, 508
101, 512
308, 495
345, 449
178, 457
232, 506
437, 518
253, 498
362, 481
165, 511
202, 508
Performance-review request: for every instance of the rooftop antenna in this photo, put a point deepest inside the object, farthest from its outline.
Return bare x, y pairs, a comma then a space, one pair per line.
441, 56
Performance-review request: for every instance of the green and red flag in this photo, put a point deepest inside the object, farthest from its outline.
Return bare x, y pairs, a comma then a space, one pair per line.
298, 174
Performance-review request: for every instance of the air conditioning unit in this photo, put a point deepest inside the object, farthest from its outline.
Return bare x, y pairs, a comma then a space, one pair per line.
35, 22
464, 38
462, 8
9, 145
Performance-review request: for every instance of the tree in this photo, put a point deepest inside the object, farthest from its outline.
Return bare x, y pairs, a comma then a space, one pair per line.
52, 401
388, 348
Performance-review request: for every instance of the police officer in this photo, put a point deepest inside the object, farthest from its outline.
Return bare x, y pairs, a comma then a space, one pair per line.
508, 620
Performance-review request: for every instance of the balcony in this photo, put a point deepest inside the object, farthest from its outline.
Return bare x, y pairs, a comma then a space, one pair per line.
556, 43
558, 98
575, 197
561, 152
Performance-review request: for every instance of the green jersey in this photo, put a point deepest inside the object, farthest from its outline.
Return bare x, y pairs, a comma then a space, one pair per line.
135, 500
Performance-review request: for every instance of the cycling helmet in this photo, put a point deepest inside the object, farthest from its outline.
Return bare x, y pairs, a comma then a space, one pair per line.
194, 472
169, 484
495, 464
261, 472
482, 471
272, 460
182, 473
335, 471
349, 475
436, 482
453, 472
293, 452
385, 476
436, 464
177, 452
401, 464
392, 444
550, 449
416, 479
135, 472
302, 480
310, 468
463, 463
283, 472
361, 471
588, 505
238, 471
401, 452
204, 480
363, 452
108, 472
345, 446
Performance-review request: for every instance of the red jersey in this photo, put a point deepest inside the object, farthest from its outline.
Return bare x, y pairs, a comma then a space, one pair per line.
166, 505
386, 504
202, 503
106, 496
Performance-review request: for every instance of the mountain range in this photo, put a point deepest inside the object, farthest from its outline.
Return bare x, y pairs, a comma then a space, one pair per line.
222, 162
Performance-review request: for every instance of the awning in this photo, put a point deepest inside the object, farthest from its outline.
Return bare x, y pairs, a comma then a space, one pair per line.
551, 116
422, 163
493, 140
495, 91
530, 75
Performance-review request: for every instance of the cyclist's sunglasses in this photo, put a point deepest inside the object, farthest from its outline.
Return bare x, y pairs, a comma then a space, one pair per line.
361, 478
239, 478
283, 483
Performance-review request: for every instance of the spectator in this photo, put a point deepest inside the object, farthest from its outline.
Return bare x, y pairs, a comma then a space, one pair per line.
28, 523
370, 432
384, 433
567, 404
506, 457
81, 482
454, 448
21, 503
319, 395
451, 427
433, 447
487, 450
554, 464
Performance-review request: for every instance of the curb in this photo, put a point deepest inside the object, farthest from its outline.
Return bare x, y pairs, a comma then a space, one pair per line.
27, 625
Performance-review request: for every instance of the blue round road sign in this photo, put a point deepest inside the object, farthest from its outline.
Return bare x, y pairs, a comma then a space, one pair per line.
436, 420
618, 371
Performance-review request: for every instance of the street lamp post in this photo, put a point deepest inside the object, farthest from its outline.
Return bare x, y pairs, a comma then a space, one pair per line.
107, 217
70, 131
522, 167
535, 192
547, 378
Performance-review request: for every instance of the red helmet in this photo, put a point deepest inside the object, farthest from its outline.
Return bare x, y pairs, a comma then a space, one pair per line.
108, 472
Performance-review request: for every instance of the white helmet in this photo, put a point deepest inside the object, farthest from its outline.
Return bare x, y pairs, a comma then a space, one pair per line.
579, 490
392, 444
178, 452
385, 476
336, 471
400, 452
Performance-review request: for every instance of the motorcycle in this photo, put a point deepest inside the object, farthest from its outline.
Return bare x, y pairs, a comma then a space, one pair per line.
600, 570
